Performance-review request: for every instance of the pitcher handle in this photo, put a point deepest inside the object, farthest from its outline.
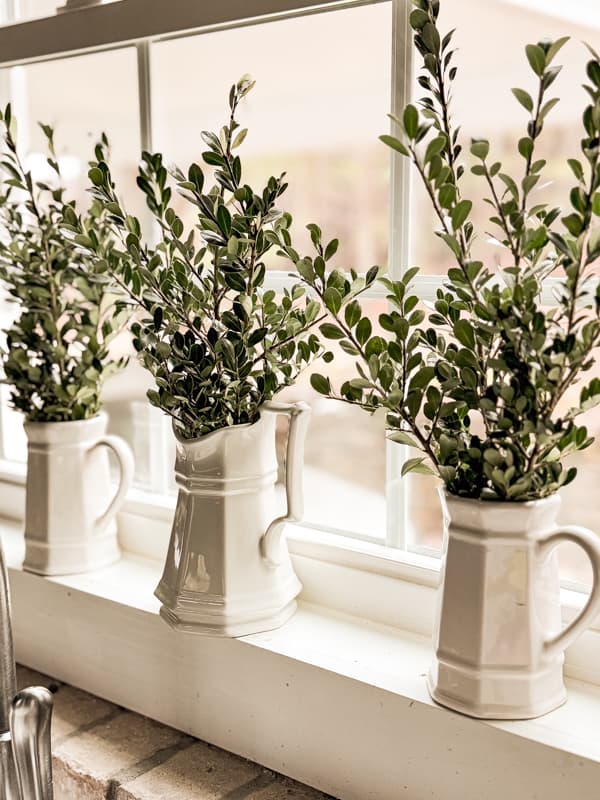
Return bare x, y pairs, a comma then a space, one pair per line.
126, 466
299, 414
590, 544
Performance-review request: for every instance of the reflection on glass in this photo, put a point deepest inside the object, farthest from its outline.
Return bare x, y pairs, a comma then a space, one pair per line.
81, 97
321, 99
345, 457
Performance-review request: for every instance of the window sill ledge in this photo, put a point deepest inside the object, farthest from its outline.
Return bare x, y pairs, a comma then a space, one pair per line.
330, 700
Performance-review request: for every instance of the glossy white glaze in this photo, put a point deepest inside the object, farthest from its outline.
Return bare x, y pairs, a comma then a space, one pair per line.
70, 523
498, 644
228, 571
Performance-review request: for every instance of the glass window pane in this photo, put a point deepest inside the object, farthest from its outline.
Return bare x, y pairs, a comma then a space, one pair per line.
320, 102
145, 428
81, 97
488, 74
345, 455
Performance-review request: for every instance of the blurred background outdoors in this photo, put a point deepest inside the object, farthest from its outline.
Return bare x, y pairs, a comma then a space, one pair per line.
322, 95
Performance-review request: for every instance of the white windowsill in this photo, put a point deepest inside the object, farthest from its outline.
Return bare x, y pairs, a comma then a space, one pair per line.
329, 699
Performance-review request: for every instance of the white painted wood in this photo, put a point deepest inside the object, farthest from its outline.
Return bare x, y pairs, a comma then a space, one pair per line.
328, 699
129, 21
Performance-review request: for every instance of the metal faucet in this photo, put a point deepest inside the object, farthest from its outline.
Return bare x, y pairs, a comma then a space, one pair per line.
25, 716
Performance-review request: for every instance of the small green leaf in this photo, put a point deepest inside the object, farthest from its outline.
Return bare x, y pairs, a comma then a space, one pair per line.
320, 383
524, 98
331, 249
239, 138
410, 120
447, 195
96, 176
352, 313
460, 212
574, 224
401, 437
224, 219
333, 300
331, 331
526, 147
547, 107
306, 271
480, 148
555, 47
536, 58
435, 147
418, 19
417, 465
394, 143
363, 330
463, 330
493, 457
422, 378
576, 168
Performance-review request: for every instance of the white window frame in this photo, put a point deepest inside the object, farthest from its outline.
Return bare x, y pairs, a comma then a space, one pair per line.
121, 24
140, 23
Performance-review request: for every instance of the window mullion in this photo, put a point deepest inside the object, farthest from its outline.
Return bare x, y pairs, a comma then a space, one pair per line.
157, 426
145, 94
400, 179
399, 248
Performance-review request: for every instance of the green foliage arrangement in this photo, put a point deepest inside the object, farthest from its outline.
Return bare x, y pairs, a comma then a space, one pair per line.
475, 383
57, 351
216, 342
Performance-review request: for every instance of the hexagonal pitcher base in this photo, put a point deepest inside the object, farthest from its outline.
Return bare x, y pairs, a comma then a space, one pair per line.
212, 625
498, 696
55, 558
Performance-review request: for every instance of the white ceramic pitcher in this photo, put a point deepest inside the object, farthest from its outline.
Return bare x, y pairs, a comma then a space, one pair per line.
70, 507
498, 639
228, 571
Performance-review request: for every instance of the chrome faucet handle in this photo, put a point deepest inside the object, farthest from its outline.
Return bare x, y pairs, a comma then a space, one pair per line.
30, 720
8, 686
8, 679
9, 788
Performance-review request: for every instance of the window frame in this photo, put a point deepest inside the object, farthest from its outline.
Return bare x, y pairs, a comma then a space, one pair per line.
139, 24
59, 37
